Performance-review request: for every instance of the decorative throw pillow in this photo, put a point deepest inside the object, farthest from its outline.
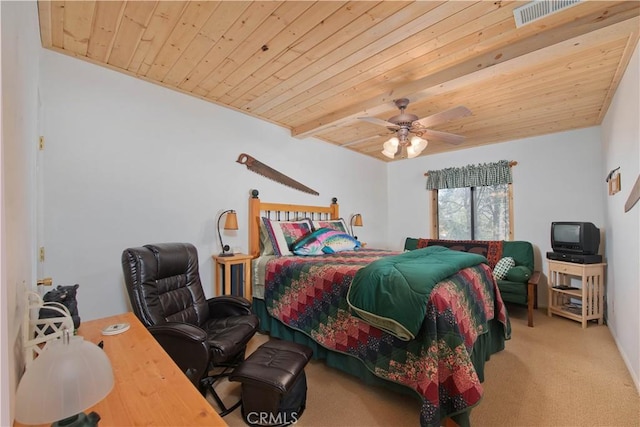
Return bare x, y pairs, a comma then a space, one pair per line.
502, 267
519, 273
334, 224
340, 243
284, 233
324, 241
266, 248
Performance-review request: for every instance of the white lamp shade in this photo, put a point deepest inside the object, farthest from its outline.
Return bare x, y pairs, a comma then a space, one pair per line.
389, 154
66, 379
419, 144
390, 147
412, 152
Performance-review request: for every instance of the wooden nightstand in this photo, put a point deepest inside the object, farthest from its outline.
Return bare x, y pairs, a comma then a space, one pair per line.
225, 263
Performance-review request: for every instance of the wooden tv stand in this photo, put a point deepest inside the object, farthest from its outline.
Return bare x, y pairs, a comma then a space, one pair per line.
590, 294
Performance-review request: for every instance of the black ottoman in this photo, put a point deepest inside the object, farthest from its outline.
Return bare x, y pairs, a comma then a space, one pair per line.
274, 386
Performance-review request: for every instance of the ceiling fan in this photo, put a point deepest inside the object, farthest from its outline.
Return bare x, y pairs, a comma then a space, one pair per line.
405, 124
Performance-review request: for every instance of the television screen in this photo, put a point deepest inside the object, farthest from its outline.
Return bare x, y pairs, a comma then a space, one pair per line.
569, 233
575, 237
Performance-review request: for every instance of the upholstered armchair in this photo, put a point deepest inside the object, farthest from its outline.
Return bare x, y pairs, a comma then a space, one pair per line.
199, 334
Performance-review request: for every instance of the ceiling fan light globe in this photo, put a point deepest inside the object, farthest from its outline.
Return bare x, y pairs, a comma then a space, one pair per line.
412, 152
390, 147
393, 141
389, 154
419, 144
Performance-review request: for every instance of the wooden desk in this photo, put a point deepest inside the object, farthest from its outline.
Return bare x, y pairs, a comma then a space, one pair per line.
227, 262
149, 388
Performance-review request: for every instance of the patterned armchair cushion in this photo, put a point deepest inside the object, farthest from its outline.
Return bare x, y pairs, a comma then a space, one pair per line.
490, 249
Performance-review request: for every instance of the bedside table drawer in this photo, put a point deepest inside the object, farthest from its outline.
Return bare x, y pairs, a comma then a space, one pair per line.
575, 270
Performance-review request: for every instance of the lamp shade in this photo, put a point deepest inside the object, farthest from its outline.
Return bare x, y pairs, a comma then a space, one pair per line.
390, 147
412, 152
419, 144
388, 153
66, 379
231, 221
356, 221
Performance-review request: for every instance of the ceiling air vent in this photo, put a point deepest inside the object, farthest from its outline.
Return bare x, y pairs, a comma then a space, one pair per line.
539, 9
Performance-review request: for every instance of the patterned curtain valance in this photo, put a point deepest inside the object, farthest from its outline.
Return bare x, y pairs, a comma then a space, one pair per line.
470, 176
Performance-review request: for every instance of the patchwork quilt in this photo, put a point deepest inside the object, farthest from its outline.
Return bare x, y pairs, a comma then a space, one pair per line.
309, 294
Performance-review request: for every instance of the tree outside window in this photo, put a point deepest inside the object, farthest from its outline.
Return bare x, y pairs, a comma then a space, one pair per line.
472, 202
474, 213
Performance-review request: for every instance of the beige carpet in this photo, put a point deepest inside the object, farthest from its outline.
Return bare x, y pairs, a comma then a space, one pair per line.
555, 374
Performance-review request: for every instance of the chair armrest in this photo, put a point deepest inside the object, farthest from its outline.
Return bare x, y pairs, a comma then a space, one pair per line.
187, 345
535, 277
228, 305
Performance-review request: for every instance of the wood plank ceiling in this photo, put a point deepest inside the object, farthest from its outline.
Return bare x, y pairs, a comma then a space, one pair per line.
315, 67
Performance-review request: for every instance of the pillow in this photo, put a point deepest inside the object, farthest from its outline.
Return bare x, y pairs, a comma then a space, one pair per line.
334, 224
266, 248
283, 234
502, 267
519, 273
325, 241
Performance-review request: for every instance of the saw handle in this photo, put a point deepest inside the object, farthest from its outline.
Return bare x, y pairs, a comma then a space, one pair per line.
244, 159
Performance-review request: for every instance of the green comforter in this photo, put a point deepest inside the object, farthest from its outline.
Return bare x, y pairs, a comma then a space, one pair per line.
392, 293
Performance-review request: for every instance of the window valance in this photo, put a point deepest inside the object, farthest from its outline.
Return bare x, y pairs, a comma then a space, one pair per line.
471, 176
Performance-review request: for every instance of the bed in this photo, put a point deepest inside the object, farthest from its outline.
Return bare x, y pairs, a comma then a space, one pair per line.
310, 300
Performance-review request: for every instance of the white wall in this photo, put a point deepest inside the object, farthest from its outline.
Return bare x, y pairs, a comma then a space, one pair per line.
558, 178
129, 163
621, 148
20, 45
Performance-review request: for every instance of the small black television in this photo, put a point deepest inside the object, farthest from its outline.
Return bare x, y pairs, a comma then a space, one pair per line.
575, 237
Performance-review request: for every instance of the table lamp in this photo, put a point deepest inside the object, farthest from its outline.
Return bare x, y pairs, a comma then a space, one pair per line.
70, 376
230, 223
356, 220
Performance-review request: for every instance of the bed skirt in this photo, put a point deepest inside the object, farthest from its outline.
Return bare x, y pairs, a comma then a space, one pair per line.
486, 345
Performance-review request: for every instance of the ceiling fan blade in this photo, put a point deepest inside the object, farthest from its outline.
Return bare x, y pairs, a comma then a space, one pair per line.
449, 138
443, 117
380, 122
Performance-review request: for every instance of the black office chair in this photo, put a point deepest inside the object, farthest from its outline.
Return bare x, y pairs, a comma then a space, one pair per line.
200, 335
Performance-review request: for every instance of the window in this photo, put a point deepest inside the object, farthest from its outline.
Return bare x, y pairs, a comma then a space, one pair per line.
474, 213
474, 202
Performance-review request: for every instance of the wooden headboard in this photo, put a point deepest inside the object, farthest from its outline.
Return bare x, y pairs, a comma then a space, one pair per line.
283, 212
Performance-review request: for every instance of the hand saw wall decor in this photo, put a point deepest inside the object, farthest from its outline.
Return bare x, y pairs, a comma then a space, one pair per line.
266, 171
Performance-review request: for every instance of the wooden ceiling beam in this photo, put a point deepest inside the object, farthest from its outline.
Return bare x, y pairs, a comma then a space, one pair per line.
632, 42
46, 26
577, 36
